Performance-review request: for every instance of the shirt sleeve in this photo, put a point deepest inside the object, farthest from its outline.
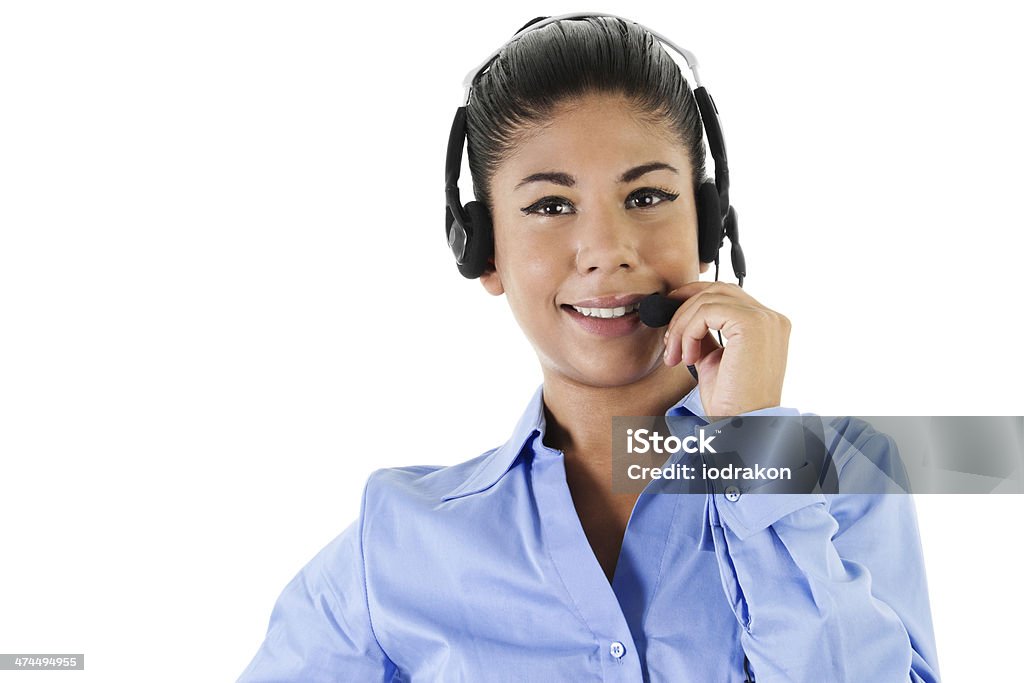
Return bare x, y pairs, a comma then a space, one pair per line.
320, 629
826, 588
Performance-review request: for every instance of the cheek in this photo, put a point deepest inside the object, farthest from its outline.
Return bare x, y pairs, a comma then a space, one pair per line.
674, 250
532, 261
536, 277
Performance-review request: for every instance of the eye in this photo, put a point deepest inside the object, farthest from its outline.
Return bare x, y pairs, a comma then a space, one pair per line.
649, 197
541, 206
646, 198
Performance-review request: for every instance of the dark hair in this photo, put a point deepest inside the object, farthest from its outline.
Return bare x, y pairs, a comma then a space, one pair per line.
567, 59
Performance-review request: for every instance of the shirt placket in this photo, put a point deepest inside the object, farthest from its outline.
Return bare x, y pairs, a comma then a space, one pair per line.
592, 597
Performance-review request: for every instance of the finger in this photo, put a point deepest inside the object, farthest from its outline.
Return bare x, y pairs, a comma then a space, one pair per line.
695, 294
673, 335
707, 317
685, 310
716, 291
707, 345
683, 342
695, 287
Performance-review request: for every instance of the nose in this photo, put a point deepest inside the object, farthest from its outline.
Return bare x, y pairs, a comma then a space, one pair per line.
605, 243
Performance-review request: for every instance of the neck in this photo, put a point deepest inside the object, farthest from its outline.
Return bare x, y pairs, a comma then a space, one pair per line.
579, 416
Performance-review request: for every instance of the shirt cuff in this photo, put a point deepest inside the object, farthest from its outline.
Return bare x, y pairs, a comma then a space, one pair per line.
752, 512
743, 510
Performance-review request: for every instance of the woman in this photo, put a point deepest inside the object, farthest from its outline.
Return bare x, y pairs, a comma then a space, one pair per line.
524, 564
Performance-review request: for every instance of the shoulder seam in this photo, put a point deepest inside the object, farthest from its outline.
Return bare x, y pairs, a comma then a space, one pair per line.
362, 564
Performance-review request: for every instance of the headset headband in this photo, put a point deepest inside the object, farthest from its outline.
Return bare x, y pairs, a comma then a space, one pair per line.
689, 57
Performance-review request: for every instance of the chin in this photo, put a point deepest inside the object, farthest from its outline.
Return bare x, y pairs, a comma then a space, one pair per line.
614, 374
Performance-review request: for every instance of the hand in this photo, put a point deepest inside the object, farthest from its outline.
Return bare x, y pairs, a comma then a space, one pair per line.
748, 373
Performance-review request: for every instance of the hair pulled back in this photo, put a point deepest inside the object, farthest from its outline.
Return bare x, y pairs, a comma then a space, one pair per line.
565, 60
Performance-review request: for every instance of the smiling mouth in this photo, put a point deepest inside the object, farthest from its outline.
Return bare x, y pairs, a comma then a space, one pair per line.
616, 312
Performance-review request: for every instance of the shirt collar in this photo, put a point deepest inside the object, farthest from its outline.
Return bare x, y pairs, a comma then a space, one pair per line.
532, 422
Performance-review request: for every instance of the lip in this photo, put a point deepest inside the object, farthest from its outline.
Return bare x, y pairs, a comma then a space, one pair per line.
607, 327
610, 300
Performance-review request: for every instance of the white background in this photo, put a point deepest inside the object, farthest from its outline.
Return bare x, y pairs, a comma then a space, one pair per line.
225, 297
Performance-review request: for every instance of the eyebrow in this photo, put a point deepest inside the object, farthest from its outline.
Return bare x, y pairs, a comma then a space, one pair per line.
560, 178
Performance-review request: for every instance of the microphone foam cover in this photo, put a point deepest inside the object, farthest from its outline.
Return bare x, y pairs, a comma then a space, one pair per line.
657, 310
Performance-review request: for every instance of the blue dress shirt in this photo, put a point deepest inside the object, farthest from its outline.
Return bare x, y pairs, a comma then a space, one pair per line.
481, 571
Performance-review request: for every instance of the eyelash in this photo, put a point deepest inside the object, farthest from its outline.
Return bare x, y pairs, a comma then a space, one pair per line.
660, 192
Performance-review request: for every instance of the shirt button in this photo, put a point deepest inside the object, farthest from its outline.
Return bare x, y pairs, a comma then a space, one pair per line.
732, 494
617, 649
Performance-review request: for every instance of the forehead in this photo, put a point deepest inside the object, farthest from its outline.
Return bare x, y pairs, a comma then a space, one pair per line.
599, 133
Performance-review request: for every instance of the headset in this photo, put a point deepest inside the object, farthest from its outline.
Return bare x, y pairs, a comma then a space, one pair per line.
468, 227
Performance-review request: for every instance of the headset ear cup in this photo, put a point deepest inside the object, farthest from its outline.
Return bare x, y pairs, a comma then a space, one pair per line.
709, 222
480, 244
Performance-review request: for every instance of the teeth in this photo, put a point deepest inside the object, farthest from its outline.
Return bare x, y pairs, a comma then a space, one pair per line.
608, 312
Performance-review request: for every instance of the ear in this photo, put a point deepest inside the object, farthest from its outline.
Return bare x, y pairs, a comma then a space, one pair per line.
491, 280
704, 267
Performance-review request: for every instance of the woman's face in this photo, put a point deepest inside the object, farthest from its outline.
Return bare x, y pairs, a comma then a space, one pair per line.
594, 210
